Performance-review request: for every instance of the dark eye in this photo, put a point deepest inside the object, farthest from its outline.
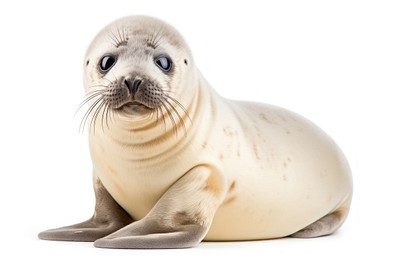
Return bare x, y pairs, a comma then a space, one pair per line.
107, 62
164, 63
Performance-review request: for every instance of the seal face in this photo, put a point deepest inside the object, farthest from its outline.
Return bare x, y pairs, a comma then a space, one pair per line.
134, 69
174, 163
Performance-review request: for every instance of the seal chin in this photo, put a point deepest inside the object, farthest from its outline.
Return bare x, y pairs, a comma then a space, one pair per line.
134, 108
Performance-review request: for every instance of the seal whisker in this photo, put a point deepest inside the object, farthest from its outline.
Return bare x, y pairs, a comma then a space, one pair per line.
113, 74
150, 41
165, 92
112, 114
94, 92
125, 35
107, 79
91, 95
179, 104
151, 116
106, 114
156, 110
107, 109
113, 38
177, 114
97, 85
101, 109
158, 37
171, 117
95, 115
86, 100
155, 38
102, 116
162, 117
119, 38
87, 114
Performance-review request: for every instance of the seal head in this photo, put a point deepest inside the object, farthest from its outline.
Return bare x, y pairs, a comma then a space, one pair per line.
134, 70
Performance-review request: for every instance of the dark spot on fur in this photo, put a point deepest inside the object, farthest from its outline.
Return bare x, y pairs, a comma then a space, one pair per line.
185, 61
229, 131
233, 186
229, 200
87, 62
263, 116
183, 218
255, 149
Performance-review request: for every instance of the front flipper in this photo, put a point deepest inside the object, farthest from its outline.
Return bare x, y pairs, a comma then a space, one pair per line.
180, 219
108, 218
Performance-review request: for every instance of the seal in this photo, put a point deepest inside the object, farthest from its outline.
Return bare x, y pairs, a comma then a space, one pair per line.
174, 163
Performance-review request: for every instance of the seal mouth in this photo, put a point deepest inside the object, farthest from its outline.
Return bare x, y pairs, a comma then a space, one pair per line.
133, 107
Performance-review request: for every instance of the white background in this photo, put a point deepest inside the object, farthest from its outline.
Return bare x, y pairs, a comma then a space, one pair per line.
335, 62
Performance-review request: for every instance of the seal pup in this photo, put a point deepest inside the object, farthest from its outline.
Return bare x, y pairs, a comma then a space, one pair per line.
174, 163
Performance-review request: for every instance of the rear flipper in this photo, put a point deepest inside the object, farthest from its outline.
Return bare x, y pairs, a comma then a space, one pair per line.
324, 226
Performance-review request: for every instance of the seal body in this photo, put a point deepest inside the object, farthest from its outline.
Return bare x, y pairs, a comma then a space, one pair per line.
174, 163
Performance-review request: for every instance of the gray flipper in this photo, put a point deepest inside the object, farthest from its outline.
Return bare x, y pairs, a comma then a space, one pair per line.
108, 218
180, 219
145, 234
324, 226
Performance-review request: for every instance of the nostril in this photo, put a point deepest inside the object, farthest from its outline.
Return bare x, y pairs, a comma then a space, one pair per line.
128, 84
136, 84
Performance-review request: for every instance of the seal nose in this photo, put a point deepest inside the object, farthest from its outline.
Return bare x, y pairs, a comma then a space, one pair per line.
132, 86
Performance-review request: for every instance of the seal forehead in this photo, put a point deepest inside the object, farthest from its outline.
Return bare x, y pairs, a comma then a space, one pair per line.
141, 29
